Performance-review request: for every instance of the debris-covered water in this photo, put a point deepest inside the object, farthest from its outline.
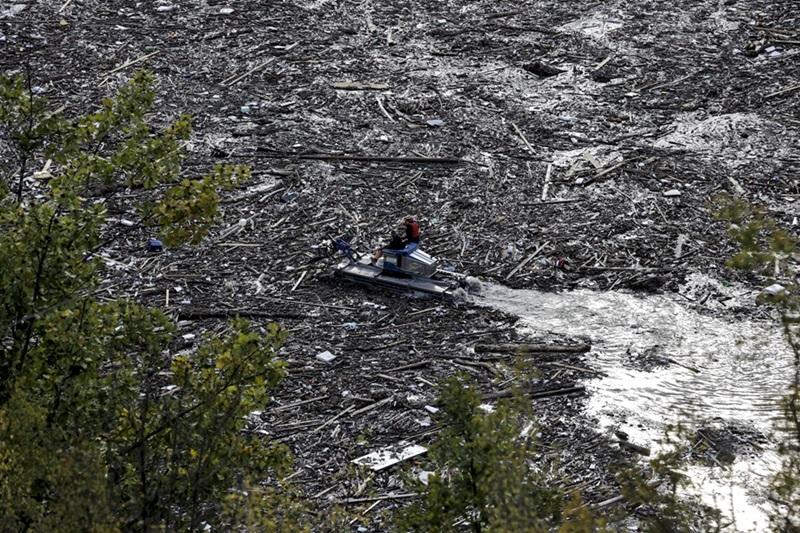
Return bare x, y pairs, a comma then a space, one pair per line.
657, 108
666, 363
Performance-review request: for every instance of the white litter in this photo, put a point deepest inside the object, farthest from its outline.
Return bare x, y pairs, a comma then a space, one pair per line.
774, 289
424, 422
424, 476
382, 459
326, 356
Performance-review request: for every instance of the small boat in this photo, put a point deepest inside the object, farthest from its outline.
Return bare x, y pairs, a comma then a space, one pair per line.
407, 269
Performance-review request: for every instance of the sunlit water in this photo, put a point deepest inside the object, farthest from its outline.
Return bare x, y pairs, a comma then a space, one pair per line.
744, 369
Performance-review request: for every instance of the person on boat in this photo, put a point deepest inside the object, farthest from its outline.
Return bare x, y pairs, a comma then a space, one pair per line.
411, 227
409, 232
397, 242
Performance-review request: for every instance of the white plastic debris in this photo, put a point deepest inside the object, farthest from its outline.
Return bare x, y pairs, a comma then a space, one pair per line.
326, 356
526, 430
431, 409
189, 336
424, 476
45, 173
226, 11
415, 400
672, 193
169, 390
386, 457
774, 289
424, 421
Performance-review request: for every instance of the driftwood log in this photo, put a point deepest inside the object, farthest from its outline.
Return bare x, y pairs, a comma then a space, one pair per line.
204, 313
507, 393
532, 348
643, 450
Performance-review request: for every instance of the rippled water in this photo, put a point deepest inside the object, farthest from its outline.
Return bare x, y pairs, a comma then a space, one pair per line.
744, 366
744, 369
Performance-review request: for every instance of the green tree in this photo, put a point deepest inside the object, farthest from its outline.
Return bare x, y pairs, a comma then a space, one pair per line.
483, 477
770, 251
103, 426
663, 502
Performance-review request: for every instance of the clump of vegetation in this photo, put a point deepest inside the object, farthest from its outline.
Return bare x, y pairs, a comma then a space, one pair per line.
767, 249
483, 476
103, 426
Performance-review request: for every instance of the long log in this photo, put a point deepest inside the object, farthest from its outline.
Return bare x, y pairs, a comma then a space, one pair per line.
415, 160
643, 450
201, 313
616, 499
507, 393
557, 392
385, 159
532, 348
379, 498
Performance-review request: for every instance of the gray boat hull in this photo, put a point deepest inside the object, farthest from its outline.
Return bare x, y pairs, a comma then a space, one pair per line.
373, 275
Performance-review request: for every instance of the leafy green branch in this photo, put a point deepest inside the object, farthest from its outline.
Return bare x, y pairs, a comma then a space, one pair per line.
766, 248
102, 426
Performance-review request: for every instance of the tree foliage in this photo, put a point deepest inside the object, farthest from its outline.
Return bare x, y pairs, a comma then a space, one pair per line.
763, 244
664, 502
485, 479
767, 249
483, 475
103, 425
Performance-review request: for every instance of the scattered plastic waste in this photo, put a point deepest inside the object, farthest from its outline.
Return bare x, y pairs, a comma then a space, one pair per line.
774, 290
326, 357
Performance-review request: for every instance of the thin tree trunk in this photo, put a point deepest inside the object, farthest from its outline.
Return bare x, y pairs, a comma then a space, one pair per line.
21, 184
26, 153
